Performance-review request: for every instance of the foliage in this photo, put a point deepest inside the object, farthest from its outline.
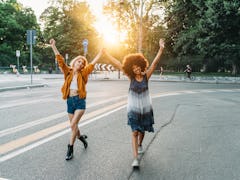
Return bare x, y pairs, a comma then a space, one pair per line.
69, 23
127, 14
202, 33
14, 21
207, 28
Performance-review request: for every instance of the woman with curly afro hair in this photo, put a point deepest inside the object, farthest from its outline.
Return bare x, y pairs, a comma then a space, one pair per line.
139, 107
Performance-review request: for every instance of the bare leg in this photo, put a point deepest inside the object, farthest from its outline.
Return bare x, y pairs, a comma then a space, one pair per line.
135, 143
140, 137
74, 125
70, 116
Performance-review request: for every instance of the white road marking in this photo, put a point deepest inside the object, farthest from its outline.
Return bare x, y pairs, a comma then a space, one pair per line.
50, 118
31, 124
191, 92
208, 91
226, 90
61, 133
38, 143
22, 141
28, 102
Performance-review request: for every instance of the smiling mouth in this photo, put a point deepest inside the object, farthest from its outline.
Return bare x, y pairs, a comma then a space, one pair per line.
137, 71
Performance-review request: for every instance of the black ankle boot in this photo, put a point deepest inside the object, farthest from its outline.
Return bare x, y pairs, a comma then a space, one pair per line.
83, 139
69, 152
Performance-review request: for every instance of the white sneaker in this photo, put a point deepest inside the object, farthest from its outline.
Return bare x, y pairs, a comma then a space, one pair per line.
135, 163
140, 150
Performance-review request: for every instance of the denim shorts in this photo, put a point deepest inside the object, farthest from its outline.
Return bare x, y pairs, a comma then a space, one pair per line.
74, 103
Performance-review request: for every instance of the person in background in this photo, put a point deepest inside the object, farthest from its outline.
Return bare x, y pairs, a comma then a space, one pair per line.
161, 71
188, 70
139, 107
50, 70
74, 92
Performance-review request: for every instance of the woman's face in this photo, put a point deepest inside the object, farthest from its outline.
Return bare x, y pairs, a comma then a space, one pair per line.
79, 64
136, 69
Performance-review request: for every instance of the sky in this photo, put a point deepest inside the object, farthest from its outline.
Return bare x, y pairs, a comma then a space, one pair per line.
40, 5
103, 25
37, 6
108, 32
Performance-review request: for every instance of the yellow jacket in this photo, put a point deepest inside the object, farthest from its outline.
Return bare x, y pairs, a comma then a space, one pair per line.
82, 78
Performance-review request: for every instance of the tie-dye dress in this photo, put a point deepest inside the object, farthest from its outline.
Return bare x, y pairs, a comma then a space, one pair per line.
139, 108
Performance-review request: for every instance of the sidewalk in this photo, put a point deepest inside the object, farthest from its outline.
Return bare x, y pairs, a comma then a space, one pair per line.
23, 81
13, 82
169, 78
200, 79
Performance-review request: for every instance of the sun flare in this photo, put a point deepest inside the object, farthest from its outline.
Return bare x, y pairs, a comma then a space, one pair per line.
109, 34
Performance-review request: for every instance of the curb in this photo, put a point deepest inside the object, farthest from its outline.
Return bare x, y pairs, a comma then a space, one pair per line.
22, 87
122, 79
199, 81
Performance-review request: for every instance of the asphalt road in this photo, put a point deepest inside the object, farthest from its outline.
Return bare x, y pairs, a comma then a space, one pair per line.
196, 133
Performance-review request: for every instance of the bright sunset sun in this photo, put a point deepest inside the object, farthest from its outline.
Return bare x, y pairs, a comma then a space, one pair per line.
108, 32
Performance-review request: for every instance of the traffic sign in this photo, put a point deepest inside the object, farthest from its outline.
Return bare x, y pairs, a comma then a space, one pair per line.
103, 67
31, 36
85, 46
85, 42
18, 53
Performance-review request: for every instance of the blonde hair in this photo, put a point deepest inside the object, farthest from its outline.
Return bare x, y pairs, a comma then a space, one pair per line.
77, 58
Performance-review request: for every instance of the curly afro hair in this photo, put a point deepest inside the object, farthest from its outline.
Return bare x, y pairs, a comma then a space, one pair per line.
134, 59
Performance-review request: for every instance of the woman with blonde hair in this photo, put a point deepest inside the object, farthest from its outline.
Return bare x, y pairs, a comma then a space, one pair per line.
74, 91
139, 107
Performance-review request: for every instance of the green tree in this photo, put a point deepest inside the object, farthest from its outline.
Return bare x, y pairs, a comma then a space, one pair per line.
69, 22
219, 34
181, 18
128, 15
14, 21
205, 29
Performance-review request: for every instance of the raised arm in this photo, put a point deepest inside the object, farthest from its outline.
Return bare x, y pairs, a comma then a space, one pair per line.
54, 48
58, 57
94, 61
113, 60
156, 59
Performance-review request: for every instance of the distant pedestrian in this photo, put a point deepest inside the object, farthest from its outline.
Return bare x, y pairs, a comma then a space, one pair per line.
74, 91
50, 70
139, 107
188, 70
161, 71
